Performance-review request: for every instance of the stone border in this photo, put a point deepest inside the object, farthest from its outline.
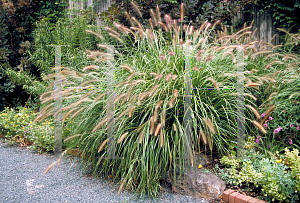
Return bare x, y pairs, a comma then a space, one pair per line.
231, 196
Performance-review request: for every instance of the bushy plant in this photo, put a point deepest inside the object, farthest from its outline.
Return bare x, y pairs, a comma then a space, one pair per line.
149, 103
272, 176
17, 126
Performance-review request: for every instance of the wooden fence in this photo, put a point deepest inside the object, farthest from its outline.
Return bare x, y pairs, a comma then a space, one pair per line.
263, 23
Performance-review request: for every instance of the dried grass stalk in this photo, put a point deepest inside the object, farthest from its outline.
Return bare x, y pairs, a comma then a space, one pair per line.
202, 137
100, 124
168, 76
68, 114
254, 111
159, 103
181, 12
78, 111
260, 127
126, 67
136, 7
210, 125
260, 53
161, 139
49, 167
174, 127
163, 117
102, 146
143, 96
155, 115
100, 97
95, 33
153, 17
48, 77
175, 92
71, 137
133, 100
119, 97
122, 137
116, 37
252, 84
272, 63
153, 91
130, 111
151, 125
158, 76
213, 82
141, 137
250, 95
123, 113
158, 127
171, 102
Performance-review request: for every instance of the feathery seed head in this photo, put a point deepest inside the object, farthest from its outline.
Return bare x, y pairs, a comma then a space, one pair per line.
174, 77
116, 37
126, 67
195, 68
158, 127
91, 67
175, 92
181, 12
169, 75
171, 53
162, 57
163, 26
122, 137
112, 31
168, 21
150, 23
128, 17
153, 17
136, 7
158, 13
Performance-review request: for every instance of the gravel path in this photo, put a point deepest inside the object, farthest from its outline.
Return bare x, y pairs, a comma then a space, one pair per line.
22, 180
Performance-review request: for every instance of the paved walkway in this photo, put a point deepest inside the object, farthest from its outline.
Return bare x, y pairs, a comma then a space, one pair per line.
22, 180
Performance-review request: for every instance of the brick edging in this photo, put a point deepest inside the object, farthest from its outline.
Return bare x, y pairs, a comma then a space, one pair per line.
232, 196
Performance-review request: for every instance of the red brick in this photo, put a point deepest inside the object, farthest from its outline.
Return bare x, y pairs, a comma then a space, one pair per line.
239, 198
253, 200
246, 199
226, 194
232, 197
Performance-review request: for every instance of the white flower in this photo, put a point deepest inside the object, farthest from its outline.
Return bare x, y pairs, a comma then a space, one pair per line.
19, 114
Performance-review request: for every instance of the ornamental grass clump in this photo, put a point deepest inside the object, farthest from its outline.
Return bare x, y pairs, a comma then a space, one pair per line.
149, 121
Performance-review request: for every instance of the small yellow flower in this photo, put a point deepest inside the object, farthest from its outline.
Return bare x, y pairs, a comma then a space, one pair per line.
77, 146
200, 166
11, 122
43, 136
48, 122
52, 136
70, 121
40, 127
7, 119
7, 132
279, 161
23, 127
67, 128
51, 127
16, 115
